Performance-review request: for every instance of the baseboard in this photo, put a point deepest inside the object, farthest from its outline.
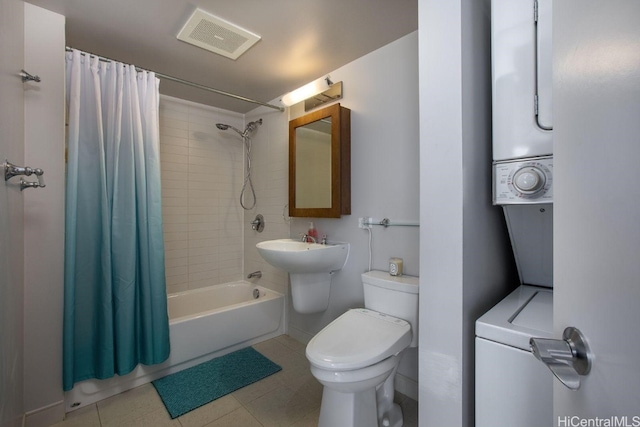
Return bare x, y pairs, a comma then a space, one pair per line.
45, 416
295, 333
407, 386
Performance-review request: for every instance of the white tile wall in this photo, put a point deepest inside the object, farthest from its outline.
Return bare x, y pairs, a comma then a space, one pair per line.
270, 167
202, 173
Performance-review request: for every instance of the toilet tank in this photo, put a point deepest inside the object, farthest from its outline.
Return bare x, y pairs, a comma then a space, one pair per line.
396, 296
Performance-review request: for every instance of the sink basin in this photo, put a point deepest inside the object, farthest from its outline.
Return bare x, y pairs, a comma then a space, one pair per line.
295, 256
310, 266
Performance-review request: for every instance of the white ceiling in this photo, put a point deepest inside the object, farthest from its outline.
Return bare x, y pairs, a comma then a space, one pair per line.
302, 40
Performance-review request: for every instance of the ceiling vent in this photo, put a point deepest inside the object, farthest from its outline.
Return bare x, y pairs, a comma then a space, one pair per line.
216, 35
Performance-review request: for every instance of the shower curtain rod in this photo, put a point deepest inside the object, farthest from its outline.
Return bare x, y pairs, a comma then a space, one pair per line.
185, 82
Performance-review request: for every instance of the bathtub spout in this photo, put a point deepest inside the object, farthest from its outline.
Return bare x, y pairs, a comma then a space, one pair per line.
256, 274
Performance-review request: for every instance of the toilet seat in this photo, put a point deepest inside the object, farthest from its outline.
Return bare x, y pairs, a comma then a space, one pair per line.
357, 339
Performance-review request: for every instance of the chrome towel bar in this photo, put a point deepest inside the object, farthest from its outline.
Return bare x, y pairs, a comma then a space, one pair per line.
386, 222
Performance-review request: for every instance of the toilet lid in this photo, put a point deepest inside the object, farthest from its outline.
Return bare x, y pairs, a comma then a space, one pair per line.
357, 339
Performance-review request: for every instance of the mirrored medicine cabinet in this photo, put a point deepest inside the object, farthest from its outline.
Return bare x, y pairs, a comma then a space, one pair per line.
320, 163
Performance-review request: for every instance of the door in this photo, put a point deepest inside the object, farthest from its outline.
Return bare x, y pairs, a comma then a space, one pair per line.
597, 204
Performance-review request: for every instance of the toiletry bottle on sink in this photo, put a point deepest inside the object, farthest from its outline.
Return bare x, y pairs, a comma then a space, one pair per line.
312, 232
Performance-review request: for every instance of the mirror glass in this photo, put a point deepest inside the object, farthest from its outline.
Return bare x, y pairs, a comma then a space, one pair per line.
320, 163
313, 164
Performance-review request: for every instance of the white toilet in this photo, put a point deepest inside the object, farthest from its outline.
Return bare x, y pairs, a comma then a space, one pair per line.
356, 356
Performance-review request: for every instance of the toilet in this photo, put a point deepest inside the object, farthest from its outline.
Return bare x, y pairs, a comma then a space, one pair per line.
356, 356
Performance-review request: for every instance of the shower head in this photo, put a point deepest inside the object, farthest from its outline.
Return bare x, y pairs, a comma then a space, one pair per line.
251, 126
223, 126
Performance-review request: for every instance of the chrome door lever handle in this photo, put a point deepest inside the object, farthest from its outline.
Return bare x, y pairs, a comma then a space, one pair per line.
568, 358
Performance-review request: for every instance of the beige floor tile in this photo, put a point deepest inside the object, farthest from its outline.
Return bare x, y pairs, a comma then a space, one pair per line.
210, 412
296, 377
292, 343
306, 385
257, 389
295, 366
273, 349
128, 406
290, 398
238, 418
84, 417
309, 420
157, 418
281, 407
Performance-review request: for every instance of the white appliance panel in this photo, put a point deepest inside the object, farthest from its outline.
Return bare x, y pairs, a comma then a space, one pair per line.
535, 315
527, 181
531, 233
544, 68
525, 313
516, 57
512, 387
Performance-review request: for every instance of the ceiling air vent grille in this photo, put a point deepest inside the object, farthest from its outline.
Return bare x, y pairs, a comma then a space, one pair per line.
216, 35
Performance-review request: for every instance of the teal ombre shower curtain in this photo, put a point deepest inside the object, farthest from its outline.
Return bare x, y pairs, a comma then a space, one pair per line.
115, 302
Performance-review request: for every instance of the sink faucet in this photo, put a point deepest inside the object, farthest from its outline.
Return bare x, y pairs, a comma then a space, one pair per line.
306, 237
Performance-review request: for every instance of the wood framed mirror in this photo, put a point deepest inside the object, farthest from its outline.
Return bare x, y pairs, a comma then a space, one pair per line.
320, 163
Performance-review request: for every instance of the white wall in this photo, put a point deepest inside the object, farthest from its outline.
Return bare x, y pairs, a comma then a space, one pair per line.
202, 173
44, 217
270, 169
465, 260
380, 91
11, 215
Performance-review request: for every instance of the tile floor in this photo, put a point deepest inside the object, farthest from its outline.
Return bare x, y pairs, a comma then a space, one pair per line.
290, 398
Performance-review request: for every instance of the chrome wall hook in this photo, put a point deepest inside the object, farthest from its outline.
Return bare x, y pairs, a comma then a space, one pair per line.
29, 77
30, 184
11, 170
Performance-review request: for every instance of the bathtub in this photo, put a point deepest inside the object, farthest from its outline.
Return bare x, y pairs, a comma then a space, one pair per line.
203, 324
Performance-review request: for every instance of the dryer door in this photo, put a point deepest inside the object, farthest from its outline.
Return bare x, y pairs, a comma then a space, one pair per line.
544, 68
521, 73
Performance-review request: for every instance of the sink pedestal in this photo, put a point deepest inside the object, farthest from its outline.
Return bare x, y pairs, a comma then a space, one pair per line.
310, 292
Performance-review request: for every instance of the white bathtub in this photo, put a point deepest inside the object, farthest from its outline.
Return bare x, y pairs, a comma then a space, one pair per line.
203, 324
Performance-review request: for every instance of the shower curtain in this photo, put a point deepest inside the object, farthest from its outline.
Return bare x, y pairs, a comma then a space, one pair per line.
115, 304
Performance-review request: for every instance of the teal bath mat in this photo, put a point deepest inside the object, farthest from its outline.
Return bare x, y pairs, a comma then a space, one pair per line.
187, 390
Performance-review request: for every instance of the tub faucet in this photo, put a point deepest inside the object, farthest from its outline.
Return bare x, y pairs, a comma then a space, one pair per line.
256, 274
306, 237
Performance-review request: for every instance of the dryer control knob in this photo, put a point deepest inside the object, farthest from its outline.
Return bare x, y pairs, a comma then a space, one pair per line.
529, 180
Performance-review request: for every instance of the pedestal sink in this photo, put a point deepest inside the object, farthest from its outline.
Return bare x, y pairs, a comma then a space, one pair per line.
310, 266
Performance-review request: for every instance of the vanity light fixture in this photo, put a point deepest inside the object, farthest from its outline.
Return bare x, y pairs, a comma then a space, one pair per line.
315, 93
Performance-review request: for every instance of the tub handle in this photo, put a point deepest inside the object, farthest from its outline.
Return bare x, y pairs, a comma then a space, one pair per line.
256, 293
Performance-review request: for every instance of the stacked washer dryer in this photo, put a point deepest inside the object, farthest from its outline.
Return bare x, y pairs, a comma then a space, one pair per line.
512, 387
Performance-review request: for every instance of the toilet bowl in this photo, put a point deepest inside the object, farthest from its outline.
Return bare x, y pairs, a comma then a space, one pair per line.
356, 356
